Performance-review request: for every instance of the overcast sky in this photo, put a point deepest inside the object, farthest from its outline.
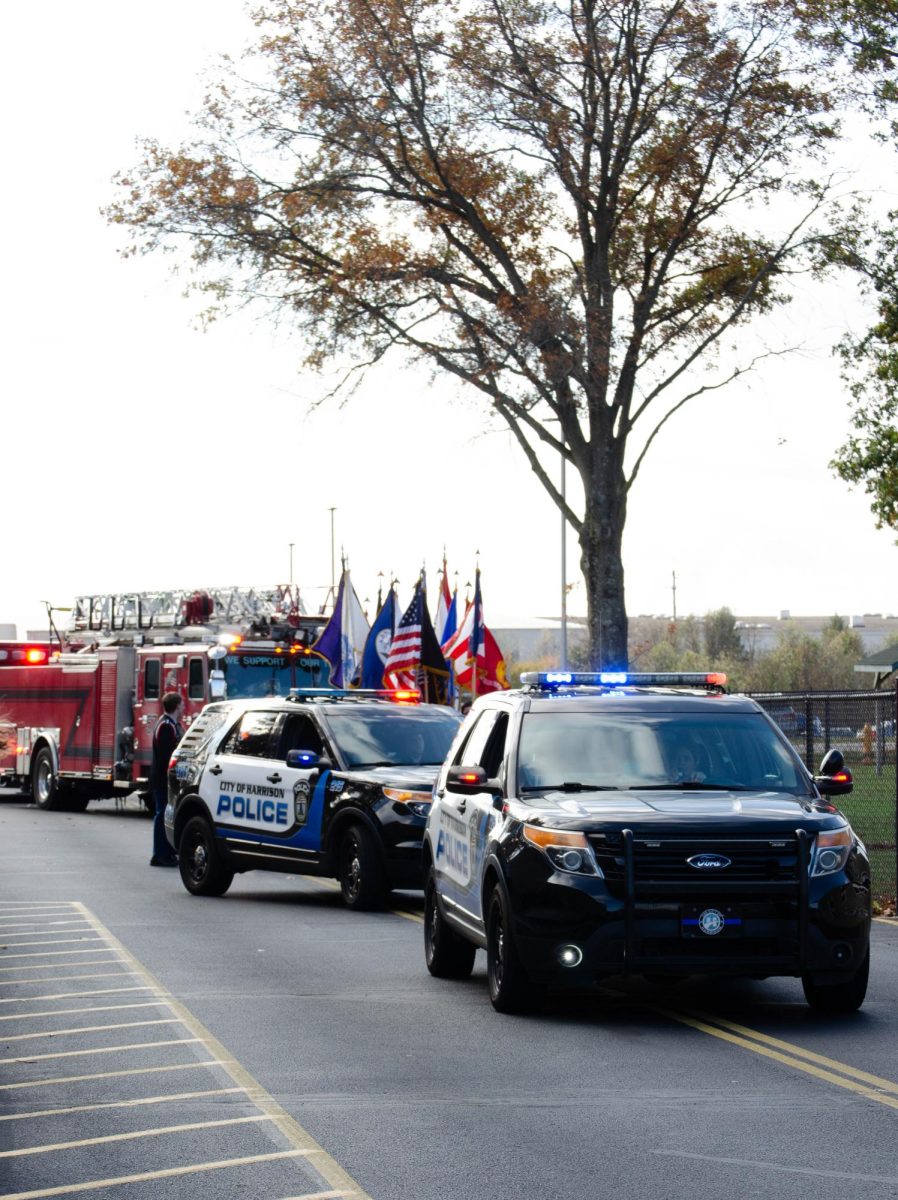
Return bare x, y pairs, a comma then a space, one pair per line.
141, 453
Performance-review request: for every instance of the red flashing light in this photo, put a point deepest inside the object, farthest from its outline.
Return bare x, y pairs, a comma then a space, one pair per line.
405, 695
842, 777
33, 655
716, 679
469, 777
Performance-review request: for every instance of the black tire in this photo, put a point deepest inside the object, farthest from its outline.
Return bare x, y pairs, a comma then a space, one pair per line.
146, 799
448, 955
202, 868
45, 790
361, 870
510, 988
844, 997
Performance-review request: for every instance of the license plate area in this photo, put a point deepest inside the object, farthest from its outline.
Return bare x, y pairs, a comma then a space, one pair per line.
711, 921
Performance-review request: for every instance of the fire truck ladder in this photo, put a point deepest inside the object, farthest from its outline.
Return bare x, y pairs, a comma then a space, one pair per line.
177, 608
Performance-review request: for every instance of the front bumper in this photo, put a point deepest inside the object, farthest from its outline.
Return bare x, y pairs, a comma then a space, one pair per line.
818, 927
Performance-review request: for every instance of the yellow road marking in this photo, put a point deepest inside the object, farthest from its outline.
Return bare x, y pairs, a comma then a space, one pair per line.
790, 1048
158, 1131
65, 978
145, 1176
789, 1060
26, 1037
67, 1012
28, 1058
166, 1098
67, 995
328, 1168
13, 1087
409, 916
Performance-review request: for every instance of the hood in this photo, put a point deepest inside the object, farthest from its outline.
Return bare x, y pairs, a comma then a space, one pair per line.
740, 812
412, 778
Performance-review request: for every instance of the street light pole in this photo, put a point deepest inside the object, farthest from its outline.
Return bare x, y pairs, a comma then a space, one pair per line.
291, 544
333, 580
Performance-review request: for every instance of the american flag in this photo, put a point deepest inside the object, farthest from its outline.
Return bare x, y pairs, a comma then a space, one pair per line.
405, 649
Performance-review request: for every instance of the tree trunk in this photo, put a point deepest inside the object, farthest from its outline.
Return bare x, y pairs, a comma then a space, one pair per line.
601, 540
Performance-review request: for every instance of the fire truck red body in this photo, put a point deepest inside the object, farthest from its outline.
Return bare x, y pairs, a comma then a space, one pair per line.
76, 723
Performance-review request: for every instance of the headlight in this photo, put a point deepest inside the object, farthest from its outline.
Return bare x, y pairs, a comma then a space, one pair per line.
566, 851
418, 802
831, 851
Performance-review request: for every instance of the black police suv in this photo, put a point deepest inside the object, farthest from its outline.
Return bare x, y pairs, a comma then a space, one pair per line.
318, 783
599, 825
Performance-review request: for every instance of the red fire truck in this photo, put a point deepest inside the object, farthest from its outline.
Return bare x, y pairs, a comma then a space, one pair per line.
77, 716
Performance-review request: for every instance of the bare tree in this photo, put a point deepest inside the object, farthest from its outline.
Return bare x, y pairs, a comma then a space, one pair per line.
565, 206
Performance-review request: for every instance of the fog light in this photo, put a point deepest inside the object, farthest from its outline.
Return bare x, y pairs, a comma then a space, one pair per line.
569, 956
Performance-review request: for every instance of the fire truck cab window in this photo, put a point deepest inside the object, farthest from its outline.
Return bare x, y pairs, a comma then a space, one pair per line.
251, 736
195, 681
152, 679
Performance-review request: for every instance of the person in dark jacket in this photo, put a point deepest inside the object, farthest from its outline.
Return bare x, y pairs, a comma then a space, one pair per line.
167, 734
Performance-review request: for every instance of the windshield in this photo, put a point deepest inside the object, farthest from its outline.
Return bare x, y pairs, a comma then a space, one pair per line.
251, 676
738, 751
385, 735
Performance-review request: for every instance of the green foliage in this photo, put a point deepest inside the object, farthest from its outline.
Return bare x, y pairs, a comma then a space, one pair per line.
722, 640
869, 458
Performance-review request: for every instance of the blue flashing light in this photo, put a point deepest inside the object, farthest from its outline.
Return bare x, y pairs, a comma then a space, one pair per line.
552, 680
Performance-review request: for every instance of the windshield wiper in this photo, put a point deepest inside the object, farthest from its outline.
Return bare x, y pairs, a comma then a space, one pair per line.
571, 786
386, 762
689, 785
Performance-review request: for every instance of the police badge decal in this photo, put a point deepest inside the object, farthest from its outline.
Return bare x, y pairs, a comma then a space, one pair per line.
301, 801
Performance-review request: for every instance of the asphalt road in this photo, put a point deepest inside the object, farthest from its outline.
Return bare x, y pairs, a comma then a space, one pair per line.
270, 1044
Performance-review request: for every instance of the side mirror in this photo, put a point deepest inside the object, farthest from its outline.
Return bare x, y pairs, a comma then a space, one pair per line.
218, 687
468, 781
302, 758
834, 778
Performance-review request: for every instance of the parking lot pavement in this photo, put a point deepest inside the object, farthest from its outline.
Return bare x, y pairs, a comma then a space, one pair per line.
159, 1045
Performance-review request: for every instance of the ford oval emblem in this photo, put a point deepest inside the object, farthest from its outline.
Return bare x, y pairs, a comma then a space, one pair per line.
709, 862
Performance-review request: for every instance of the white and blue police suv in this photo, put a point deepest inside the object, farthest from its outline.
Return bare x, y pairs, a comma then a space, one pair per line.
322, 782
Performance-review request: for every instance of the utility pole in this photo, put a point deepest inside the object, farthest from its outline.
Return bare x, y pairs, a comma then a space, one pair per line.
674, 589
563, 569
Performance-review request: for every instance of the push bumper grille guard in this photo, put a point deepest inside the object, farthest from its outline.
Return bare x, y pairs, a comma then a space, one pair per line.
631, 960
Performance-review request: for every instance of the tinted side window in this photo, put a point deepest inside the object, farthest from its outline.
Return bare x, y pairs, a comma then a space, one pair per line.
252, 735
494, 751
299, 732
152, 679
471, 751
195, 679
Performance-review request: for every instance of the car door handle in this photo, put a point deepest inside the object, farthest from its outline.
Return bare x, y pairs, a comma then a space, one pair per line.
275, 778
216, 770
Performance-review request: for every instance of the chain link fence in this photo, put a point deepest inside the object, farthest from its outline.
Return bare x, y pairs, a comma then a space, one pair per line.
862, 725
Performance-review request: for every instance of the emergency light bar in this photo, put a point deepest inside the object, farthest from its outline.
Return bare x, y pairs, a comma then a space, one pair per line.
397, 695
550, 681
